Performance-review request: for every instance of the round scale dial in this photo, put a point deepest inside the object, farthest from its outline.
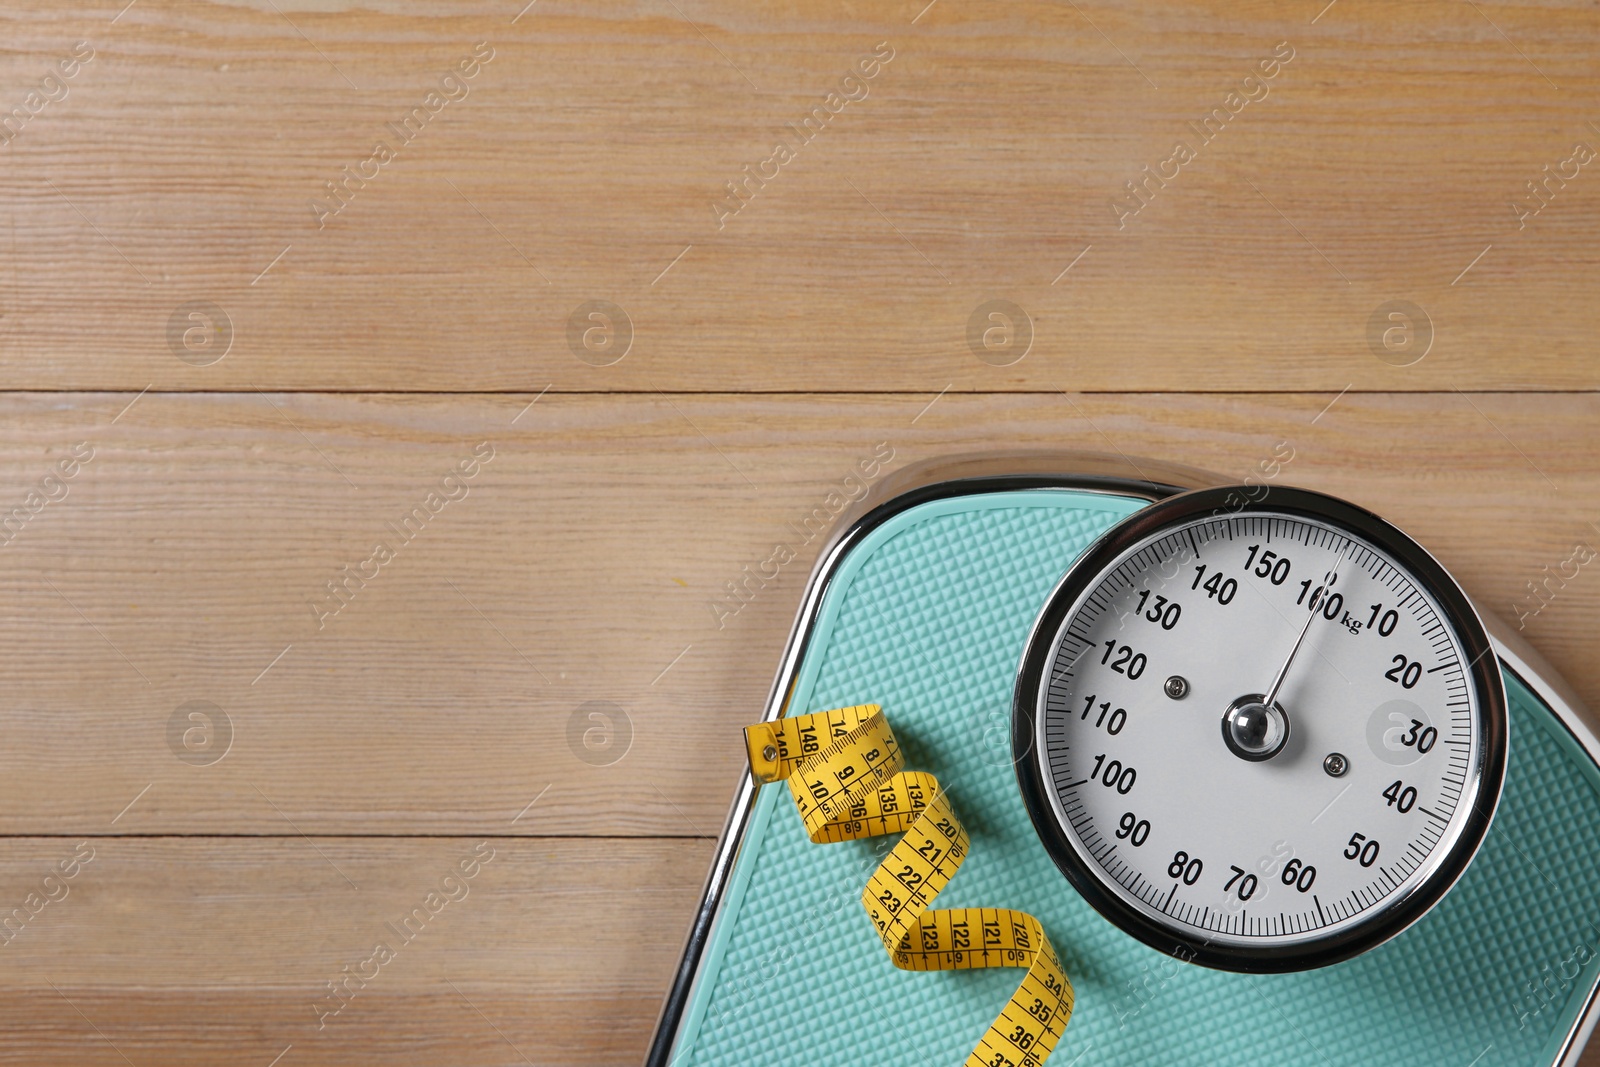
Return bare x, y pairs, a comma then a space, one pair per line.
1267, 736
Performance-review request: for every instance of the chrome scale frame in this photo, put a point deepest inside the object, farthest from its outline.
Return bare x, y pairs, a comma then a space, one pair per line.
1119, 475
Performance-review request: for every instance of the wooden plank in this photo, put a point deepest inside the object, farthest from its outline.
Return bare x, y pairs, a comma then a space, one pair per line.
204, 951
585, 161
588, 561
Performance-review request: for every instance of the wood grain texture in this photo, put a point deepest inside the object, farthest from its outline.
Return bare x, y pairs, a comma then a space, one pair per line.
586, 157
205, 951
772, 354
588, 560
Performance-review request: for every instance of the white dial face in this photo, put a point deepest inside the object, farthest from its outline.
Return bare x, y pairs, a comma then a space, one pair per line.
1286, 823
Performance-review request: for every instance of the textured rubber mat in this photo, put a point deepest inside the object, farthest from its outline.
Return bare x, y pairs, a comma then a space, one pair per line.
928, 617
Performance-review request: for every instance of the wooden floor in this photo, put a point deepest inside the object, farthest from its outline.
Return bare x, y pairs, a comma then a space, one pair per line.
532, 344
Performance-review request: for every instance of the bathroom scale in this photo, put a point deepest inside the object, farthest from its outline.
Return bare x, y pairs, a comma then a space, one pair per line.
1199, 773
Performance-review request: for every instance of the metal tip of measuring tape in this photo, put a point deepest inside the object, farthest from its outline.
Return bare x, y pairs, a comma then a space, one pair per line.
762, 748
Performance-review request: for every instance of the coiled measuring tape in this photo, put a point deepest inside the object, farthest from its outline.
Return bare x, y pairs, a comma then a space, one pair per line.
844, 770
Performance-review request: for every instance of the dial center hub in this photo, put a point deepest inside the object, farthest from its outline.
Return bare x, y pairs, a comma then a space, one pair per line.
1255, 731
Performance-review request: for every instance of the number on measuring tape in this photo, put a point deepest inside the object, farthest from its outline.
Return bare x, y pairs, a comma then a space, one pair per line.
855, 787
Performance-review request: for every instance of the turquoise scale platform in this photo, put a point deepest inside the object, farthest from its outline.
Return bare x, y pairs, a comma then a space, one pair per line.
928, 616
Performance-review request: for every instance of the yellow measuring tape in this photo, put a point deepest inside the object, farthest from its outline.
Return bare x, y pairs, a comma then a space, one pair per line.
844, 770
